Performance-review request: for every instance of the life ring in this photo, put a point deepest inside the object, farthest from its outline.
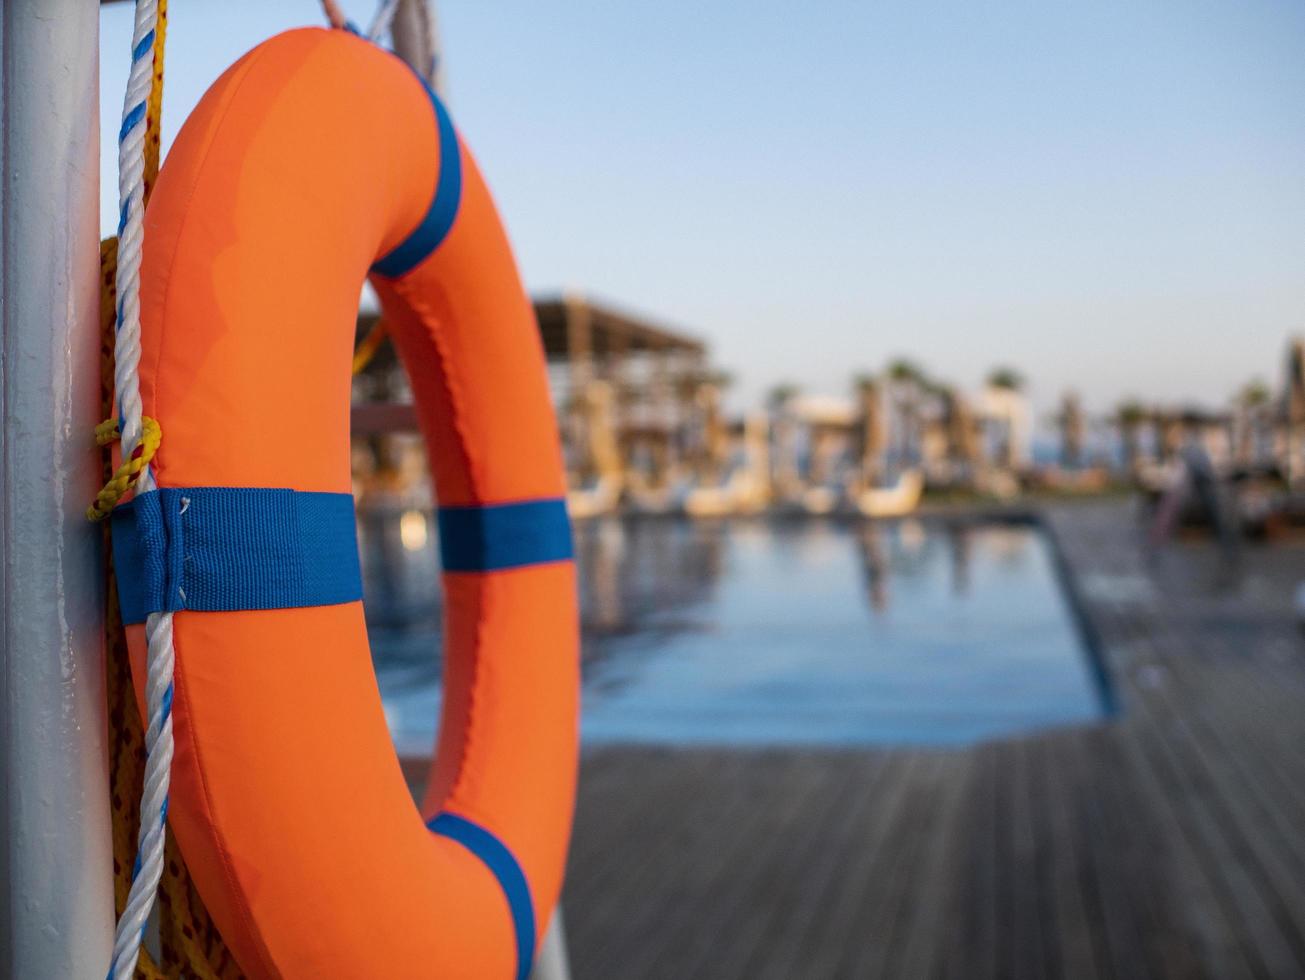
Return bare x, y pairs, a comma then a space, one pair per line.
317, 160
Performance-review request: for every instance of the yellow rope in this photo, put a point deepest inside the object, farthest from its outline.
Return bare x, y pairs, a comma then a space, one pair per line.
368, 347
154, 107
126, 475
106, 433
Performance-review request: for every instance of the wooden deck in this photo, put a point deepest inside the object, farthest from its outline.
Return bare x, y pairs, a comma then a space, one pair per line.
1167, 842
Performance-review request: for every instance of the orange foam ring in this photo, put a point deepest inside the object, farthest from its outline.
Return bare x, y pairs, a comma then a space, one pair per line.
312, 156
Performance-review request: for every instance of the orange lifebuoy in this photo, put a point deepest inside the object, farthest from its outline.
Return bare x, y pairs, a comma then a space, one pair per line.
316, 161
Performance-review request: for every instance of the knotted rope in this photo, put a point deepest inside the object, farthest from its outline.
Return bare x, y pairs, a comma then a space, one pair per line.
126, 476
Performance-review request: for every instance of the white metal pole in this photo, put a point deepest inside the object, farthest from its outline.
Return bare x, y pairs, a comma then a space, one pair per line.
56, 899
552, 963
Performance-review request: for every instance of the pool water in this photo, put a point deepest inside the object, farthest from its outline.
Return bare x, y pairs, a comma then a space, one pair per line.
777, 632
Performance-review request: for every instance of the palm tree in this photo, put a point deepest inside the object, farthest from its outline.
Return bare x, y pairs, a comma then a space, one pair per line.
958, 427
1072, 430
1254, 394
904, 369
780, 395
870, 435
864, 380
783, 432
1129, 417
907, 382
1252, 404
1005, 386
1005, 378
1293, 413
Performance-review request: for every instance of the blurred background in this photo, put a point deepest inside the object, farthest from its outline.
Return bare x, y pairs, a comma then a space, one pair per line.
932, 392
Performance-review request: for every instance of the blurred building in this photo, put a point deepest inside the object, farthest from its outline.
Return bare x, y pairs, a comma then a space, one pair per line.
638, 407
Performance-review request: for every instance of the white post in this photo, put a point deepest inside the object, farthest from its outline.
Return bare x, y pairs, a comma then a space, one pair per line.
56, 898
552, 963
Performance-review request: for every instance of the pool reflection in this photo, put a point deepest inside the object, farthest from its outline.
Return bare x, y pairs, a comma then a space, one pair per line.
769, 632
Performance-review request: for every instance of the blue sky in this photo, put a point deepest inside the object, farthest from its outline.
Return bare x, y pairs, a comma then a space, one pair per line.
1109, 195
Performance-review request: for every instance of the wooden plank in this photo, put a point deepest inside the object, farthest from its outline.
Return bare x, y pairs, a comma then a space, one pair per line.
1190, 793
976, 913
886, 914
841, 920
1205, 910
1032, 925
924, 929
1105, 893
640, 912
1244, 816
737, 899
1158, 944
1074, 899
802, 895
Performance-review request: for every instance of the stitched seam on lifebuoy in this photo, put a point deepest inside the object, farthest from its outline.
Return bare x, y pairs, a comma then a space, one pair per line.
431, 317
463, 775
426, 313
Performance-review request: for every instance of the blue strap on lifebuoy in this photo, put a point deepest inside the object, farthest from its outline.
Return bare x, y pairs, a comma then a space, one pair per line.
490, 537
220, 549
437, 223
501, 862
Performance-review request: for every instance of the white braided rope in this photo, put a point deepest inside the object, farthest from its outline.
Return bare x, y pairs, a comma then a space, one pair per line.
158, 627
131, 227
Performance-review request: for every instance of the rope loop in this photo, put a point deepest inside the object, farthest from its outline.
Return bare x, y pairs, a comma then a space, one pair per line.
125, 476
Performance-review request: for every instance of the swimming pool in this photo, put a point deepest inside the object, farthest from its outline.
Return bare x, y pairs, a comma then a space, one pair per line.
777, 632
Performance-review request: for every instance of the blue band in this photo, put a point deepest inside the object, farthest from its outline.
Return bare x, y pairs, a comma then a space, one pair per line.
220, 549
133, 117
495, 855
142, 49
428, 235
497, 536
